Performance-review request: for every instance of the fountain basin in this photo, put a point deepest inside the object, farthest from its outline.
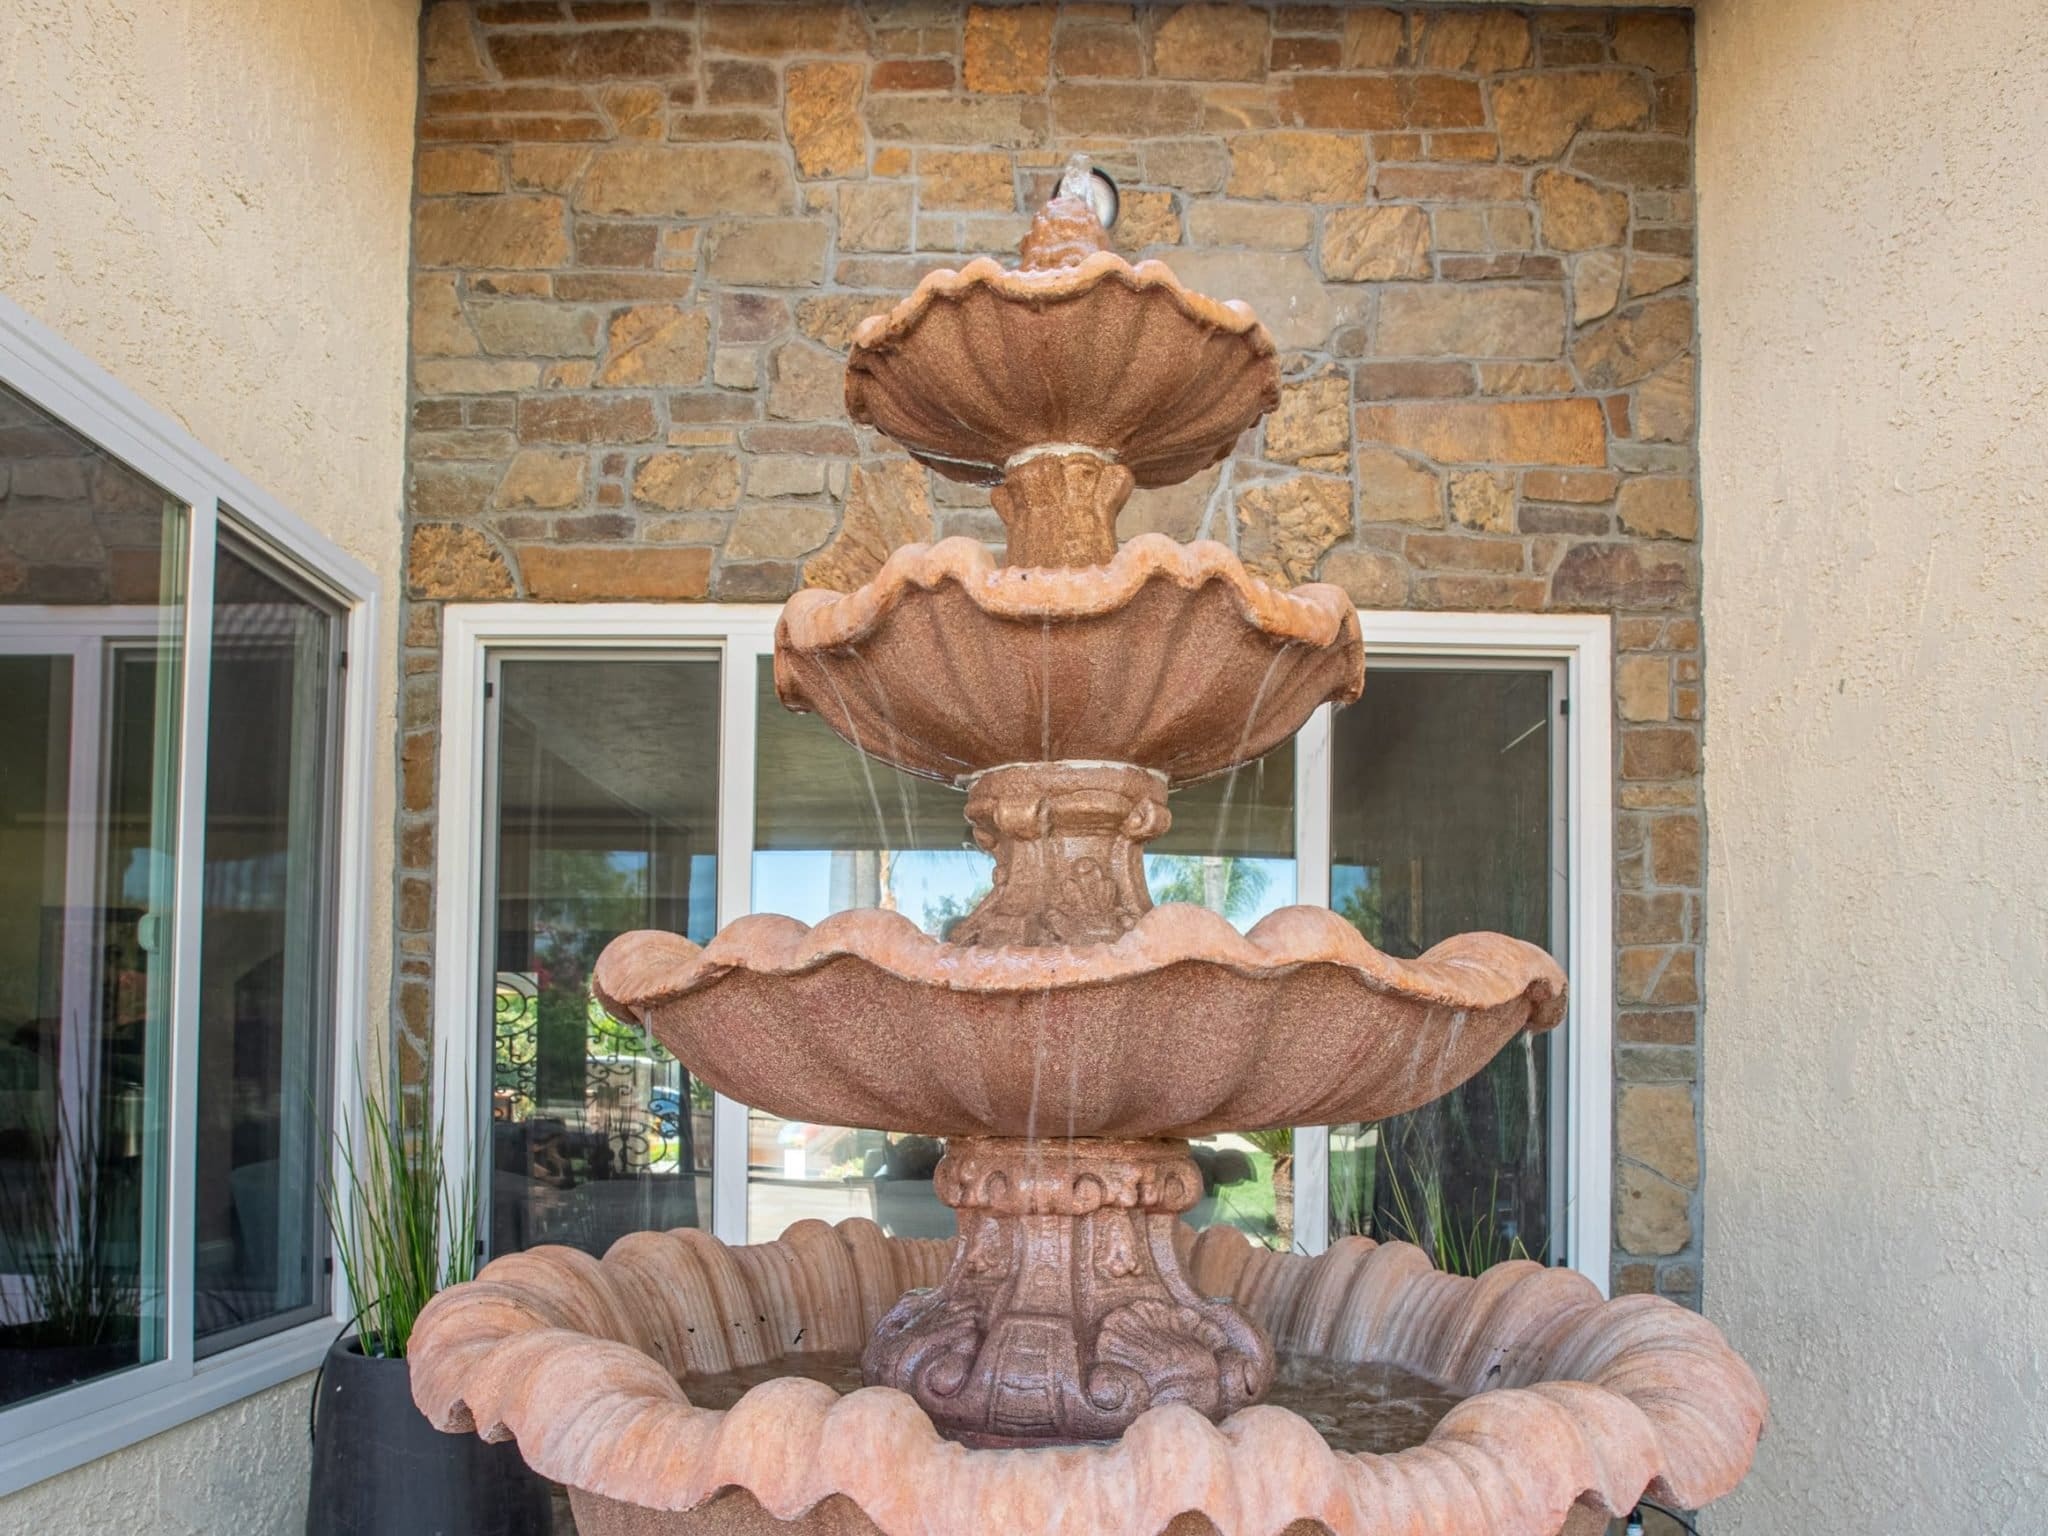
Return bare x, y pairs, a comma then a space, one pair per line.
1573, 1408
1170, 656
1180, 1028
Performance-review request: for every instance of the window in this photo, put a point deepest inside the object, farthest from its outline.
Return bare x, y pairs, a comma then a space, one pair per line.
172, 945
1390, 810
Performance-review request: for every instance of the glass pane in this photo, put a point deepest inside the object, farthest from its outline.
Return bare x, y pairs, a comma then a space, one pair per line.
266, 951
91, 609
836, 830
1443, 822
605, 820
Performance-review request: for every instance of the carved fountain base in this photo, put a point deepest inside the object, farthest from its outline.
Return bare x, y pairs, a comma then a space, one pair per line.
1066, 1314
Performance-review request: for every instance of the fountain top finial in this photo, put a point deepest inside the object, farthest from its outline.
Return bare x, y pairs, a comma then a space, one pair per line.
1068, 229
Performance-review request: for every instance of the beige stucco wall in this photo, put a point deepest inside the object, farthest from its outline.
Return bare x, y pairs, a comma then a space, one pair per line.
1874, 315
210, 199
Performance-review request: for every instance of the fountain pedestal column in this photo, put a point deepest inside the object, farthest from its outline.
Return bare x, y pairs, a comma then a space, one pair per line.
1066, 1314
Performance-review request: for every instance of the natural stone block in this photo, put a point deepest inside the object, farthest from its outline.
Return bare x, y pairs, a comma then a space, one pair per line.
1374, 38
656, 345
966, 179
1634, 344
1282, 287
874, 216
1657, 41
1596, 286
586, 419
473, 375
1097, 50
1496, 432
448, 50
1483, 500
1675, 851
1516, 594
1299, 167
449, 562
538, 479
1630, 160
779, 531
805, 384
1664, 404
1661, 507
1314, 417
832, 318
433, 492
977, 123
1369, 578
1459, 552
1651, 1216
738, 83
1663, 752
686, 181
1576, 485
545, 167
1412, 381
516, 230
1210, 42
768, 253
533, 328
1137, 110
1191, 165
821, 116
1654, 918
1654, 1125
1258, 225
1284, 527
736, 370
444, 172
886, 508
1442, 101
1392, 489
1178, 511
439, 327
632, 573
1537, 114
1578, 216
1007, 48
591, 53
1150, 219
1642, 688
1483, 41
751, 317
1471, 320
777, 475
1356, 103
1375, 244
1653, 274
1622, 576
1451, 184
675, 482
773, 28
911, 75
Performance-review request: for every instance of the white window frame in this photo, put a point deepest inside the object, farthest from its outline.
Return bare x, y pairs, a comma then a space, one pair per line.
744, 632
67, 1428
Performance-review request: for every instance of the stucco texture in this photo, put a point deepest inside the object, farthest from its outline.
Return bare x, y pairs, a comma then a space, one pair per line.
1874, 317
210, 199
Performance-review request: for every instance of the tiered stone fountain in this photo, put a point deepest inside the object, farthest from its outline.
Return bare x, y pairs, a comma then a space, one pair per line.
1077, 1361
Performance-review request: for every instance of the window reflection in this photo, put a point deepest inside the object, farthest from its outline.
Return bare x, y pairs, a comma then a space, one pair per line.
91, 598
605, 819
1442, 822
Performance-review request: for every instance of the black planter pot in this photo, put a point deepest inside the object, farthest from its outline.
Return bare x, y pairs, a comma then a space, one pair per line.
380, 1469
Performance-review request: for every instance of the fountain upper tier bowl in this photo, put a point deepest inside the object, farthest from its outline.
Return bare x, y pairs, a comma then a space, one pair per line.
983, 364
1170, 657
1181, 1027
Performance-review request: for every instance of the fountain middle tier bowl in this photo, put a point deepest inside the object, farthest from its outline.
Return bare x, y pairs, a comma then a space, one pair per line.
1180, 1028
1171, 657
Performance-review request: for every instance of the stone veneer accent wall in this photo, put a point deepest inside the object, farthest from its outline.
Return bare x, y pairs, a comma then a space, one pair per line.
645, 229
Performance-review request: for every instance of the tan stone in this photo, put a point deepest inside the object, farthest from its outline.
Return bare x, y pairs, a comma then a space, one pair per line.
1633, 344
538, 479
768, 253
1662, 43
473, 375
448, 562
697, 482
1651, 1216
442, 172
533, 328
773, 28
886, 507
1150, 218
545, 167
1664, 404
874, 216
774, 475
1573, 485
1375, 244
448, 51
435, 492
1369, 578
1284, 527
966, 179
516, 230
1634, 161
1357, 103
1471, 320
779, 531
1653, 274
1578, 216
1178, 511
1675, 857
1537, 114
1493, 432
1259, 225
1280, 286
821, 116
1210, 42
636, 111
806, 384
1484, 500
439, 327
633, 573
1392, 489
591, 53
1622, 576
1314, 417
831, 318
1642, 688
1299, 167
1124, 111
1097, 50
1659, 507
1483, 41
656, 344
1191, 165
1374, 38
973, 122
736, 370
1596, 286
686, 181
1008, 48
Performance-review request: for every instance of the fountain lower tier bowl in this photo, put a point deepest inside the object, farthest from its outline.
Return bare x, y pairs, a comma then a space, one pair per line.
1571, 1408
1181, 1027
1169, 656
